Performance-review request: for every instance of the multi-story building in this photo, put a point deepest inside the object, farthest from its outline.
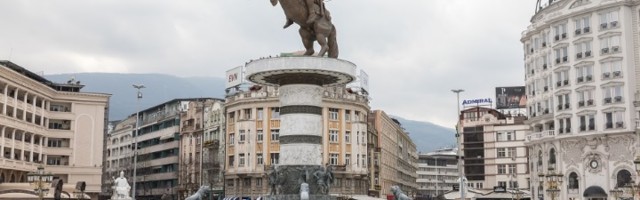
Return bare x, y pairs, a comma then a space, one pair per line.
437, 172
119, 153
373, 155
214, 140
493, 149
192, 147
397, 155
252, 148
581, 60
50, 124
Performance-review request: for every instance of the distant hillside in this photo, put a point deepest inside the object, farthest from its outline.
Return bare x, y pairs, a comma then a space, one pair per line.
161, 88
427, 136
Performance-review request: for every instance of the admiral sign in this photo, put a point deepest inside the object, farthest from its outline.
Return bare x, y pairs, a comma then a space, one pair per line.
477, 101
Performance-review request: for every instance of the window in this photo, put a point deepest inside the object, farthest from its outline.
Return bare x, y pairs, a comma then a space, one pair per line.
231, 159
347, 159
563, 101
260, 136
275, 135
275, 158
357, 160
242, 136
512, 152
333, 136
611, 69
347, 137
241, 160
561, 55
231, 138
612, 94
510, 136
564, 125
364, 161
259, 113
552, 158
583, 25
609, 20
610, 45
333, 159
347, 115
275, 113
539, 160
260, 159
573, 181
333, 114
623, 178
560, 31
502, 153
585, 98
562, 78
258, 182
513, 184
232, 116
246, 113
512, 169
587, 122
614, 119
584, 73
583, 50
502, 169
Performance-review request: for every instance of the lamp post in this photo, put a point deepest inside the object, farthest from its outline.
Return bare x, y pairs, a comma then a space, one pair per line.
460, 169
39, 179
135, 139
553, 181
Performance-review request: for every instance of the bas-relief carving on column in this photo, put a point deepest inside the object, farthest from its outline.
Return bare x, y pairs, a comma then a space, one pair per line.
301, 124
300, 95
621, 149
300, 154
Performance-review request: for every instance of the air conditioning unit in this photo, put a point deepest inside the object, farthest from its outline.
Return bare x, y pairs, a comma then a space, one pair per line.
557, 60
546, 88
587, 29
566, 105
580, 103
589, 77
578, 31
557, 37
564, 59
587, 53
579, 55
590, 102
559, 107
617, 73
580, 79
618, 98
619, 124
606, 75
566, 82
559, 83
614, 23
544, 66
607, 100
605, 50
564, 35
615, 48
603, 25
544, 44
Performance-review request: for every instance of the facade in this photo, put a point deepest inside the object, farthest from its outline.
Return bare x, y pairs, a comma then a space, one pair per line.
214, 140
193, 137
397, 155
437, 172
53, 125
373, 155
493, 149
119, 152
581, 59
252, 140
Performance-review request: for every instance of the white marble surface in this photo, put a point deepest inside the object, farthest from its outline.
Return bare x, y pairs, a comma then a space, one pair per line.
301, 94
300, 124
300, 154
344, 70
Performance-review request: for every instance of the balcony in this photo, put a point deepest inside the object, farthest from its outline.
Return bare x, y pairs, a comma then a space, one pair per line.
540, 135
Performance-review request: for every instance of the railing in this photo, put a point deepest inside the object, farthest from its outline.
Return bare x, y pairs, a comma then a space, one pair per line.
540, 135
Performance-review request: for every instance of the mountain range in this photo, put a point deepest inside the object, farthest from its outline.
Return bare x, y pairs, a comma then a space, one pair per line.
160, 88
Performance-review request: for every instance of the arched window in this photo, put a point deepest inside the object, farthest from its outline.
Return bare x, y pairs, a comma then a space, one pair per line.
539, 160
573, 181
552, 158
623, 178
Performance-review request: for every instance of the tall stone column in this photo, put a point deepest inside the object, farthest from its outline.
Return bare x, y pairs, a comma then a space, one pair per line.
301, 82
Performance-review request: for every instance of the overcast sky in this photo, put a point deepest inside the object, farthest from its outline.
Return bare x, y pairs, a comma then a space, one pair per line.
415, 51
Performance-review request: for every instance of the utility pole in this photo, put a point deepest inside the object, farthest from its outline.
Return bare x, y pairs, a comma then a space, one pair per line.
135, 139
462, 185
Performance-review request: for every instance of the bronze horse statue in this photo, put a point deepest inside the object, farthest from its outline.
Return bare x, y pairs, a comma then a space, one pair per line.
315, 25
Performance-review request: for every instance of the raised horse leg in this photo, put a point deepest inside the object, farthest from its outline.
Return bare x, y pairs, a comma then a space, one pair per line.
307, 40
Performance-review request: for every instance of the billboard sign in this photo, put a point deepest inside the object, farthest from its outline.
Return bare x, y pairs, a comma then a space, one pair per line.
477, 101
364, 81
511, 97
234, 77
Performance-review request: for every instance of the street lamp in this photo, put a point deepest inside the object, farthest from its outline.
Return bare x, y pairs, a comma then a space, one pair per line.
135, 139
553, 181
460, 169
39, 180
616, 193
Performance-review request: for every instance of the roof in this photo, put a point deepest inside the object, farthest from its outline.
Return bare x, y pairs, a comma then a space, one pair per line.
69, 87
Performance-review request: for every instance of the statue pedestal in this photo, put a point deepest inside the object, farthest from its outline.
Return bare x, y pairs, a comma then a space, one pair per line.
301, 82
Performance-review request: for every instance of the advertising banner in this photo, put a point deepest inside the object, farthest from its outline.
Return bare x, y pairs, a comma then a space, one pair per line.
234, 77
511, 97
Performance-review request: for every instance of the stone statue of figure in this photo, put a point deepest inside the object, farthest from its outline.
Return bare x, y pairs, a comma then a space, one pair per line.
315, 25
304, 191
273, 181
324, 179
398, 194
121, 187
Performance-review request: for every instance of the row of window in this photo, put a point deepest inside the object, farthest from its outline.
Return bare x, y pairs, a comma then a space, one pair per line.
612, 94
275, 136
275, 159
609, 69
582, 25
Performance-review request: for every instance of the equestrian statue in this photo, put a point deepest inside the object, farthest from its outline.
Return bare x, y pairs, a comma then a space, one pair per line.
315, 25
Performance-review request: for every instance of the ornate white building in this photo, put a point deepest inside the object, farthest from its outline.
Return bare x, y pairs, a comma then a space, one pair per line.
581, 78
